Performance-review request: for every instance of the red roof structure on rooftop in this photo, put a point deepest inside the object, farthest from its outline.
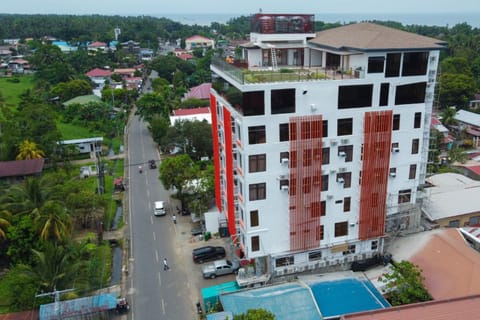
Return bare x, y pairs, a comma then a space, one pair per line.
190, 112
200, 92
21, 167
97, 72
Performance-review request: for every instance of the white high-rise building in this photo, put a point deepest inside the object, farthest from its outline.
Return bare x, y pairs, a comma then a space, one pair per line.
321, 139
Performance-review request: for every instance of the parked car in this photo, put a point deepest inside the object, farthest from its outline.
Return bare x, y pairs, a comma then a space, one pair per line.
207, 253
152, 164
220, 268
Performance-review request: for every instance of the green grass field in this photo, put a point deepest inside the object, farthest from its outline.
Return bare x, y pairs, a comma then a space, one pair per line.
12, 90
70, 131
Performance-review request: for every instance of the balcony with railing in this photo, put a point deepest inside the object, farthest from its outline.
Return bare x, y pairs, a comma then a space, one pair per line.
239, 72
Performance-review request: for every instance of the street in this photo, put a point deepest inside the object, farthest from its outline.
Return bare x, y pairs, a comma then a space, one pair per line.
155, 293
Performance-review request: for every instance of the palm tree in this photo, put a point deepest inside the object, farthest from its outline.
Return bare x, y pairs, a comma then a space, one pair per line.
29, 150
24, 198
53, 222
5, 216
448, 116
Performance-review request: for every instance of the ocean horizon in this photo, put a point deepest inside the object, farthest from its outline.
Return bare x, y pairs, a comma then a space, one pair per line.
431, 19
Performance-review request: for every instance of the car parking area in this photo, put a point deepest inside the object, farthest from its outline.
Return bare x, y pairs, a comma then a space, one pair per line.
185, 243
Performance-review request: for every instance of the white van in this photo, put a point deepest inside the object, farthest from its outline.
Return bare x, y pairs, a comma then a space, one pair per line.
159, 208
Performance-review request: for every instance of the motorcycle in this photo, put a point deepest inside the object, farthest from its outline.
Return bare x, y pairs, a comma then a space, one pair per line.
199, 308
140, 170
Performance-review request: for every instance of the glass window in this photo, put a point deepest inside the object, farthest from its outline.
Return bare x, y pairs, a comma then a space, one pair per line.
283, 131
346, 152
413, 171
375, 64
384, 88
283, 101
415, 146
257, 162
319, 233
415, 63
314, 255
255, 243
344, 127
257, 191
454, 223
418, 120
346, 204
358, 96
393, 65
325, 182
325, 128
285, 261
256, 134
396, 122
325, 155
254, 218
284, 155
404, 196
341, 229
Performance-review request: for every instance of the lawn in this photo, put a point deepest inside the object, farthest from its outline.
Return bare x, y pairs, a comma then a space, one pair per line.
70, 131
11, 89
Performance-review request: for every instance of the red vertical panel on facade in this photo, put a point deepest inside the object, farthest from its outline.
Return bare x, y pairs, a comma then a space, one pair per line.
216, 152
375, 167
227, 123
304, 198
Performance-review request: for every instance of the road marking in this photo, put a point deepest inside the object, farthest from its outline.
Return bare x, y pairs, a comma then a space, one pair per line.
159, 279
151, 220
163, 306
154, 236
156, 255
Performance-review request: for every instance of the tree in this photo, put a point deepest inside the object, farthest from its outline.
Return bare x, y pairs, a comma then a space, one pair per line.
456, 89
159, 128
457, 154
151, 104
255, 314
404, 284
448, 116
175, 172
29, 150
5, 217
53, 222
71, 89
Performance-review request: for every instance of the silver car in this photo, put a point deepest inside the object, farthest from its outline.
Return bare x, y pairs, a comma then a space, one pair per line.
220, 268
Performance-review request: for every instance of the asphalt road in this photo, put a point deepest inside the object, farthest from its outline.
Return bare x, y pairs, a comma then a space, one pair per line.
154, 293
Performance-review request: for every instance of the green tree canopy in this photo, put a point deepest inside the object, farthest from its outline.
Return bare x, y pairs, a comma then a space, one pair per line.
255, 314
404, 285
175, 172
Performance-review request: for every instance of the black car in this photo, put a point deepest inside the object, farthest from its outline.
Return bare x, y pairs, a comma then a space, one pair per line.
152, 164
202, 254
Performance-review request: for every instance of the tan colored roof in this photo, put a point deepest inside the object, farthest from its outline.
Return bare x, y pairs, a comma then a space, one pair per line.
450, 266
367, 36
460, 308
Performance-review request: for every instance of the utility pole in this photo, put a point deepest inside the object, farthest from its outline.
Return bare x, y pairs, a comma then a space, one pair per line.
56, 294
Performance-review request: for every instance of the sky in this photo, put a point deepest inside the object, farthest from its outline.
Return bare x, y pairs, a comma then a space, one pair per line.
242, 7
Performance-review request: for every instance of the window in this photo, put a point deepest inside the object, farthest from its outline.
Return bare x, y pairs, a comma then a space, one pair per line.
404, 196
283, 183
348, 150
325, 128
358, 96
254, 218
285, 261
341, 229
454, 223
350, 250
325, 155
375, 64
256, 134
413, 172
344, 127
257, 162
314, 255
474, 221
283, 131
257, 191
253, 103
347, 179
393, 65
414, 63
384, 88
283, 101
307, 157
417, 122
410, 93
284, 155
317, 209
415, 146
374, 245
255, 243
346, 204
396, 122
319, 233
325, 182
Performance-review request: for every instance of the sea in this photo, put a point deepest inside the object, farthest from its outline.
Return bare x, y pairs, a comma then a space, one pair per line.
447, 19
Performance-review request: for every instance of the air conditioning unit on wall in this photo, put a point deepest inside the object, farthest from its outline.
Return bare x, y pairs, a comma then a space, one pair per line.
284, 188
